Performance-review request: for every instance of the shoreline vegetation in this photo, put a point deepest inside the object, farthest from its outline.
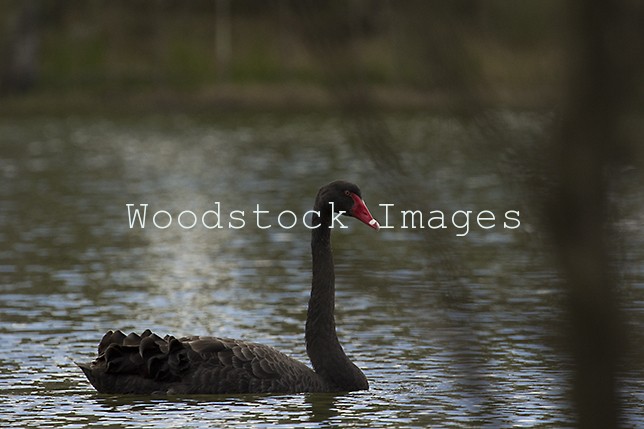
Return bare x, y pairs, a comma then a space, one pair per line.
95, 57
260, 97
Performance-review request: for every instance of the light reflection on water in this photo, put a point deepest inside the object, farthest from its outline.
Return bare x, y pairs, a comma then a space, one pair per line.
70, 268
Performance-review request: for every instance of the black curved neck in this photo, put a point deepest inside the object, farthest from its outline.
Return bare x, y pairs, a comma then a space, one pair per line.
322, 345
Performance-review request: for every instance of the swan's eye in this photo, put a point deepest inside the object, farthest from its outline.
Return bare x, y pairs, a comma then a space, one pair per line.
347, 193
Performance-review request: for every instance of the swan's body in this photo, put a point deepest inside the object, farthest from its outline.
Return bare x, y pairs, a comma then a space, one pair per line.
147, 363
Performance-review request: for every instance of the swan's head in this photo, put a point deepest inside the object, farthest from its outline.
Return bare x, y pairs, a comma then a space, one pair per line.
347, 199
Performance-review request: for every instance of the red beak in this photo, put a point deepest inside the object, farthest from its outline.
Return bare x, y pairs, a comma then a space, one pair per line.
361, 212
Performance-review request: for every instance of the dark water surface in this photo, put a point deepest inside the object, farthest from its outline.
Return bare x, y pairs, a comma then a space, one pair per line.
437, 355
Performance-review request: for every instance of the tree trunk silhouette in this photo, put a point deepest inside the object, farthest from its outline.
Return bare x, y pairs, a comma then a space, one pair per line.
590, 144
20, 53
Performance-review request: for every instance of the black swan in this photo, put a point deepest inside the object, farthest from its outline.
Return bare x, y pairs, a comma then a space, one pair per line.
147, 363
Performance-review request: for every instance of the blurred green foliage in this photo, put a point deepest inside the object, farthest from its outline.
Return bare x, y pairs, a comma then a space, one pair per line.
512, 49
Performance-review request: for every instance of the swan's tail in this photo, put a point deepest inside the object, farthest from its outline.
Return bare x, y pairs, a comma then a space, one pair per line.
145, 361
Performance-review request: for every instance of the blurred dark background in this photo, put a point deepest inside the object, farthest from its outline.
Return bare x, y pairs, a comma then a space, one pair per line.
578, 61
409, 54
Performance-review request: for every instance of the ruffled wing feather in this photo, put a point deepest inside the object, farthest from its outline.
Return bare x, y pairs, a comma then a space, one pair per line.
147, 363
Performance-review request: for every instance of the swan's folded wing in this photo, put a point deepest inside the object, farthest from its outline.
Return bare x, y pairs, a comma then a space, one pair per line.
256, 359
147, 363
239, 366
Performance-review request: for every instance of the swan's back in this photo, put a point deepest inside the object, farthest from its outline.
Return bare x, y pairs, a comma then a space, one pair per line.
147, 363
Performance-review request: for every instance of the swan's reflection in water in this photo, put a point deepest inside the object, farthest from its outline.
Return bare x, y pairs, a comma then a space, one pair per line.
322, 406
